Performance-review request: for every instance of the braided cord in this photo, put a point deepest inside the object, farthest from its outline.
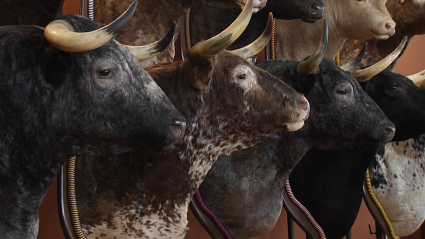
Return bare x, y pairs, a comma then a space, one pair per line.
72, 199
379, 206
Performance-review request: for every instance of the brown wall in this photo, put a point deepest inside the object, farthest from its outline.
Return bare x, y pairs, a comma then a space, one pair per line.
410, 63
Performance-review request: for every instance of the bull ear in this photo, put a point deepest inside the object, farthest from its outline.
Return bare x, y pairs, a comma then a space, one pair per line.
200, 74
57, 64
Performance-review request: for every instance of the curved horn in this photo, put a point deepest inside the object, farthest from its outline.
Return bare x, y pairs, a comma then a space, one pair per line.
352, 64
308, 66
418, 77
207, 49
369, 72
61, 35
257, 45
153, 49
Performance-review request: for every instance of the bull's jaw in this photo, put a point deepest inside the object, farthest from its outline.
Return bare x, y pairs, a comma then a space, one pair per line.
201, 146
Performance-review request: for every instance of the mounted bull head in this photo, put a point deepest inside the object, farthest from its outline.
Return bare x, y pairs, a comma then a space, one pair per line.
244, 189
347, 19
229, 104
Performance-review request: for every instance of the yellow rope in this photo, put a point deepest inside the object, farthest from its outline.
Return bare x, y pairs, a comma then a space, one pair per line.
379, 206
272, 41
337, 59
72, 199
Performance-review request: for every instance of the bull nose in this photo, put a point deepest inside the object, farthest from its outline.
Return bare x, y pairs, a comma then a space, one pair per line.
316, 10
389, 27
305, 106
389, 131
178, 128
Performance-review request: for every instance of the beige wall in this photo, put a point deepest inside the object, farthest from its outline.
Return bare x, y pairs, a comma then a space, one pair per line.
411, 62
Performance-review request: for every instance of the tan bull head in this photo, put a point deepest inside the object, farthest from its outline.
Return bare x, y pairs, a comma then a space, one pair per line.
362, 20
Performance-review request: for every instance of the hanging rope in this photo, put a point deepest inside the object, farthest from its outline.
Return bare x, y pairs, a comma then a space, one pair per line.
306, 212
273, 41
378, 205
72, 199
91, 9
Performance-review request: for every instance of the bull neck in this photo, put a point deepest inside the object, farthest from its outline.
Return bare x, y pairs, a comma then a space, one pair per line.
296, 40
292, 147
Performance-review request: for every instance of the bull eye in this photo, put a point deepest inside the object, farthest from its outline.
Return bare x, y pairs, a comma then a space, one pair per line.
242, 76
395, 87
105, 73
342, 91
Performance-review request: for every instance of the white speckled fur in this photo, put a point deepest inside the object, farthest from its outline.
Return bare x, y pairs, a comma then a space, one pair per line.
403, 197
210, 143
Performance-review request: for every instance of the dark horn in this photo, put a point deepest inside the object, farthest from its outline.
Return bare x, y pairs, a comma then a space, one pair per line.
153, 49
308, 66
352, 64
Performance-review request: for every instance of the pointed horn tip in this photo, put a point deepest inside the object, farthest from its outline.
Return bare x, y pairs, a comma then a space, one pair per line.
310, 64
350, 66
269, 27
363, 75
208, 48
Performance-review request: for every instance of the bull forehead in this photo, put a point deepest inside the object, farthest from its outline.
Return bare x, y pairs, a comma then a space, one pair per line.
130, 67
402, 167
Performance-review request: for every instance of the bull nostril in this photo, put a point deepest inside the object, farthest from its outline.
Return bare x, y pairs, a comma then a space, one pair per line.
316, 10
178, 128
313, 9
303, 104
390, 131
389, 26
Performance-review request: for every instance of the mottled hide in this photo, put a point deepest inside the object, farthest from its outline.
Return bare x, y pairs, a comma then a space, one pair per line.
397, 176
153, 18
205, 22
409, 15
55, 104
295, 40
244, 189
229, 104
